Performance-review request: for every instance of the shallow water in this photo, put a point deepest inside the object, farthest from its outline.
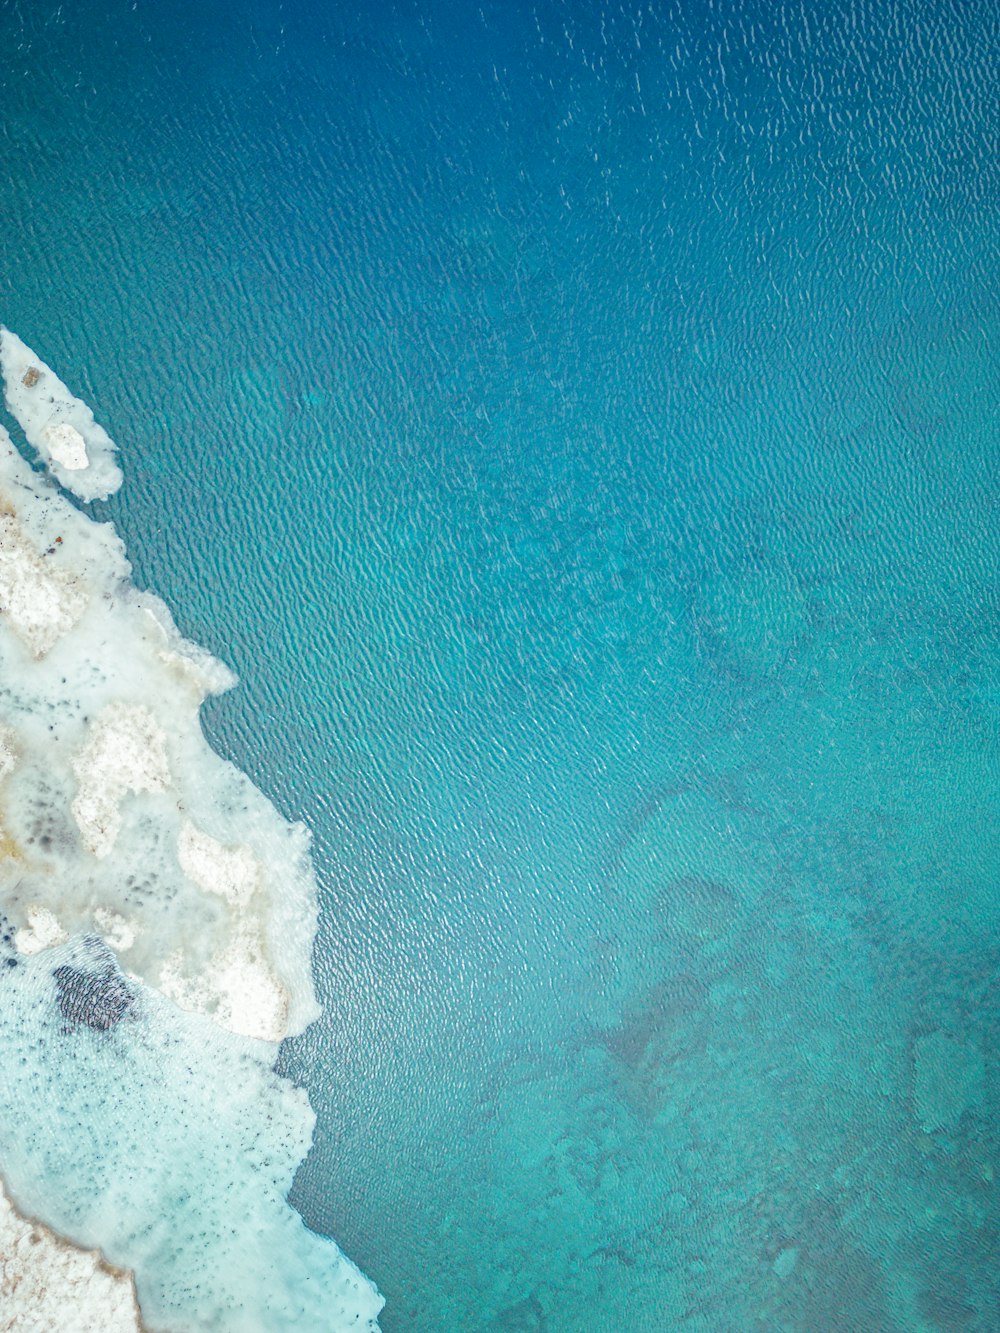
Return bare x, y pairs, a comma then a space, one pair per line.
577, 427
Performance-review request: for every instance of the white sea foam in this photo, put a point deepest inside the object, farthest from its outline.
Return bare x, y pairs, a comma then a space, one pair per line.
160, 1135
47, 1284
169, 1144
112, 801
76, 450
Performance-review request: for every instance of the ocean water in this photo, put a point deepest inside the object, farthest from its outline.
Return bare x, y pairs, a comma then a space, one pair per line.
577, 427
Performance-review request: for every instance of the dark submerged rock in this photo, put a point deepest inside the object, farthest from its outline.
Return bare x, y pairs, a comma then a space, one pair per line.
100, 998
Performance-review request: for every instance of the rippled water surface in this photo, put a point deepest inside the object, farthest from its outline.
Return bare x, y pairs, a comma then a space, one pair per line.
577, 425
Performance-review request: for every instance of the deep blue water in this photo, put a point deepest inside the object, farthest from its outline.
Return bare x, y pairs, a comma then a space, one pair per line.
578, 428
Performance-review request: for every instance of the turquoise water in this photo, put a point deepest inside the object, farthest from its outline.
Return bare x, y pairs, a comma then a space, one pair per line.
578, 428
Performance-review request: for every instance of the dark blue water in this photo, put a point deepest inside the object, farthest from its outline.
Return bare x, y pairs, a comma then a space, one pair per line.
578, 428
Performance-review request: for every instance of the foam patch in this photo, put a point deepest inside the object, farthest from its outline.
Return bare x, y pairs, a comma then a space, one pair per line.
116, 816
168, 1144
46, 1283
76, 450
156, 925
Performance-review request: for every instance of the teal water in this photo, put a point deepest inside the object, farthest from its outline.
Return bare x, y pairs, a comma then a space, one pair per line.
578, 428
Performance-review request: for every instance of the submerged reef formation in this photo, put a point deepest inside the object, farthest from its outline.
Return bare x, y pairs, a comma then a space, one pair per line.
157, 924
